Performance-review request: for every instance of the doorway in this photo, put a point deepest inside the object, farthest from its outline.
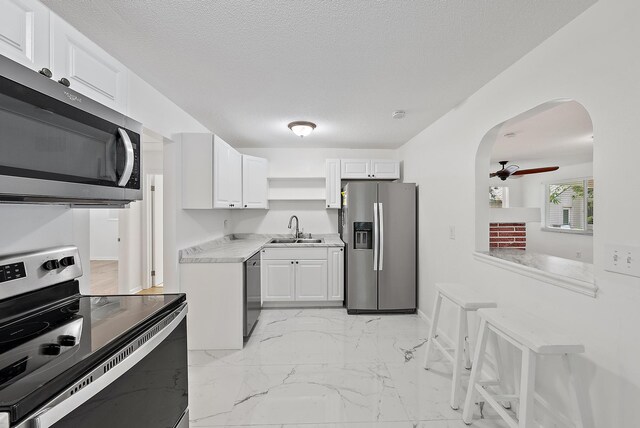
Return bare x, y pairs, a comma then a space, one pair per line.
127, 244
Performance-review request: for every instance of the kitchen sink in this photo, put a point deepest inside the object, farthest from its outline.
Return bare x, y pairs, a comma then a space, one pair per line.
283, 241
296, 241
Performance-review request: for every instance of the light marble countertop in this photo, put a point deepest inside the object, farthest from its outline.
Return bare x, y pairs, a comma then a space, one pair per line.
239, 247
556, 265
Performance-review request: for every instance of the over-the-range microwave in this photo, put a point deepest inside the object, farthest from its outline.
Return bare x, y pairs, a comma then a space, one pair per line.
58, 146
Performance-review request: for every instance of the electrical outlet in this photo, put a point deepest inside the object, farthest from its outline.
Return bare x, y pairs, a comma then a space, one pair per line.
226, 223
452, 232
624, 259
578, 254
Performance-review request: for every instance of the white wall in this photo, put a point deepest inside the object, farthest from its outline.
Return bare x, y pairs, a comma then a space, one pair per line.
103, 234
304, 162
590, 60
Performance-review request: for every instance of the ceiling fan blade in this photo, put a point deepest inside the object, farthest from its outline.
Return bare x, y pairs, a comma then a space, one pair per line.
536, 170
493, 174
512, 169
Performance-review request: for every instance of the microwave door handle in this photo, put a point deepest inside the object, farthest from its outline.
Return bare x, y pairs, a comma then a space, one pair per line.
129, 158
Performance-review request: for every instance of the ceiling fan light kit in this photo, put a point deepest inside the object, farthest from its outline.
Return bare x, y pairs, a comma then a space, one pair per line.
514, 170
302, 128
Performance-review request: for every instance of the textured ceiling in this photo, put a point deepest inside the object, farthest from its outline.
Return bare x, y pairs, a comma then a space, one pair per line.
246, 68
561, 135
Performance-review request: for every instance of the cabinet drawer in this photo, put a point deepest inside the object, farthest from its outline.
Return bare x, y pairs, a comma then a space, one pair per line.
305, 253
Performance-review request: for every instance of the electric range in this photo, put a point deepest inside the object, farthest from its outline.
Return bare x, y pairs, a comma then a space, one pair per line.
70, 360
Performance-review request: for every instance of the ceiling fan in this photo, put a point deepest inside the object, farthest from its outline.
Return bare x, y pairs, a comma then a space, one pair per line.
508, 171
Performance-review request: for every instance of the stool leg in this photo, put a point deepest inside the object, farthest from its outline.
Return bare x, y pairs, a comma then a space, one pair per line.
580, 400
527, 388
467, 343
457, 358
478, 358
493, 337
433, 331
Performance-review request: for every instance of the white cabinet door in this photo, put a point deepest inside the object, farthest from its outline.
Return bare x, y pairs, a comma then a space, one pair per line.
355, 168
278, 279
197, 171
385, 169
234, 159
336, 274
221, 174
88, 67
254, 182
311, 280
333, 183
24, 32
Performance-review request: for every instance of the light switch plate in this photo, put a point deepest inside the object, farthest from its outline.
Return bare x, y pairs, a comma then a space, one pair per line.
624, 259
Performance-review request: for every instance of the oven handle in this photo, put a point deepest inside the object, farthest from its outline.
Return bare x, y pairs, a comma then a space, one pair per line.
129, 158
63, 404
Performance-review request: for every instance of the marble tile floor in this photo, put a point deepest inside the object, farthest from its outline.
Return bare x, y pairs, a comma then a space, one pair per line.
325, 368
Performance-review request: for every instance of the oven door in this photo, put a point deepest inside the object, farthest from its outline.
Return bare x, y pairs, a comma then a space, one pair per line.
53, 150
143, 388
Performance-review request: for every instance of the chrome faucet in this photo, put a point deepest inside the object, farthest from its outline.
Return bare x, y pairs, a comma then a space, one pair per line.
297, 235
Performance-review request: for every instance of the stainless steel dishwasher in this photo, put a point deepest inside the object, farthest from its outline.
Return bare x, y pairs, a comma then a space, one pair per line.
252, 293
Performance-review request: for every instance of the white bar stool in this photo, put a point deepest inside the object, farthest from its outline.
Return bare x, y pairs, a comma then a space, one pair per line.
533, 336
466, 299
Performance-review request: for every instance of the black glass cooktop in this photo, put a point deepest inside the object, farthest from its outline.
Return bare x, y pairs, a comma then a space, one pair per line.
43, 351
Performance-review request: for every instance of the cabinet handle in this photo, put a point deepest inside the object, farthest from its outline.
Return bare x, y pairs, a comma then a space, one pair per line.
46, 72
65, 82
296, 262
292, 262
245, 206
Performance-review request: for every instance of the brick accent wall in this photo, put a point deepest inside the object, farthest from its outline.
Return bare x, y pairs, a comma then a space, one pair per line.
508, 235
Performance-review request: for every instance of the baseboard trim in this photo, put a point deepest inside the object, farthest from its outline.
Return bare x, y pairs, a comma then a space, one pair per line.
306, 305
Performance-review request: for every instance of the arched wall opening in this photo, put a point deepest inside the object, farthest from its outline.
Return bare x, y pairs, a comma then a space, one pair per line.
537, 209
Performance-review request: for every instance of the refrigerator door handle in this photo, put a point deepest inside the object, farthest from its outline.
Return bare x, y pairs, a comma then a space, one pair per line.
381, 239
376, 236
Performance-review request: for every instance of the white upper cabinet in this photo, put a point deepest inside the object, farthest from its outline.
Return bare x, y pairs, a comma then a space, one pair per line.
212, 175
24, 32
355, 168
197, 171
254, 182
385, 169
227, 175
90, 69
370, 169
333, 183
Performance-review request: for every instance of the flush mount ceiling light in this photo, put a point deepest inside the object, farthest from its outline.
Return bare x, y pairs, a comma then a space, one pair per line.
302, 128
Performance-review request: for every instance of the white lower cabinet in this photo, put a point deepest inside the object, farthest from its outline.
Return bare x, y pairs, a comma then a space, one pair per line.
278, 280
311, 280
335, 272
311, 274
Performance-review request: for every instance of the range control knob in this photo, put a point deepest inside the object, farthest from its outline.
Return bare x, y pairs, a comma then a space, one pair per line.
50, 349
51, 264
67, 340
67, 261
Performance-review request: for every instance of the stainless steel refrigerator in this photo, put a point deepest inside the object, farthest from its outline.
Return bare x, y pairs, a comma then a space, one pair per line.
378, 226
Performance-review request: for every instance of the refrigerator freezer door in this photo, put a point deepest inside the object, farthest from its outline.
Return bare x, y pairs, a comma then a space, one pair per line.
362, 291
397, 267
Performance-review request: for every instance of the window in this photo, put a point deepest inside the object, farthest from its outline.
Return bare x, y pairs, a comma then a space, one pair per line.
567, 207
498, 197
